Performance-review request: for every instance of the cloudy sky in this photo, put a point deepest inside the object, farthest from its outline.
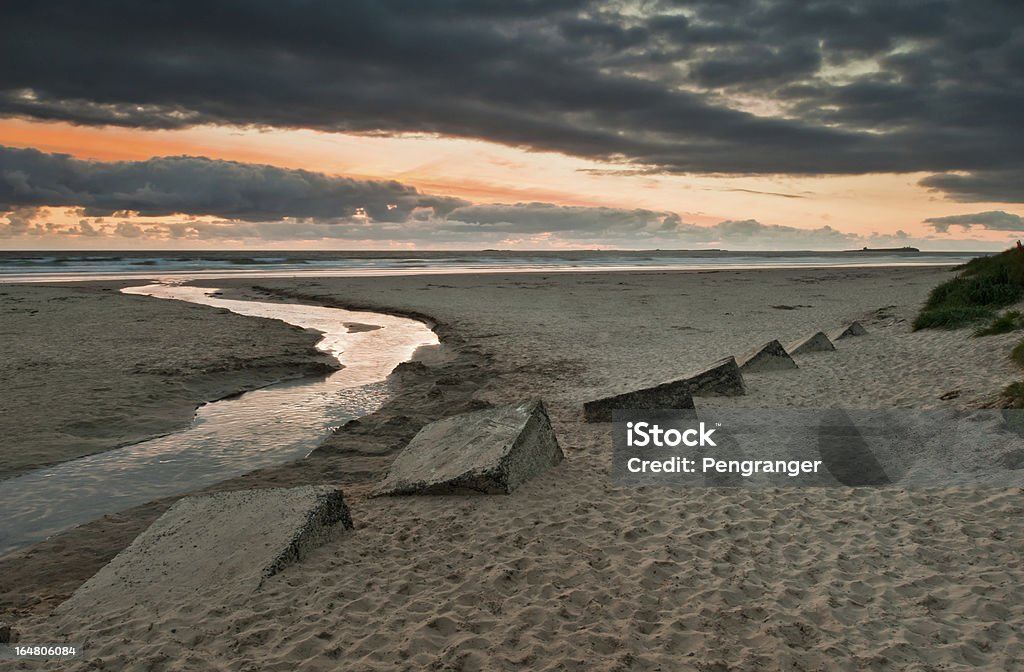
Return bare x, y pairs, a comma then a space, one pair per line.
744, 124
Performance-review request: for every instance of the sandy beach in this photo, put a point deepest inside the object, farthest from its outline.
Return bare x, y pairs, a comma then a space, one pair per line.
569, 572
498, 336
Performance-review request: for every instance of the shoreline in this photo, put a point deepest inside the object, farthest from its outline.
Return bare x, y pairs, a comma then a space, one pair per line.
255, 265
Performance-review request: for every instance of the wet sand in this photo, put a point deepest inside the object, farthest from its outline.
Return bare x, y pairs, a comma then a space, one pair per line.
87, 369
571, 572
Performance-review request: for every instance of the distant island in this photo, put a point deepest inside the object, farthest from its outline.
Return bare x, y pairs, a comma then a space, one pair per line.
888, 250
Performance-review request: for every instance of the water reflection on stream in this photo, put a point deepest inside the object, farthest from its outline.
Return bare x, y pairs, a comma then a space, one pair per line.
227, 438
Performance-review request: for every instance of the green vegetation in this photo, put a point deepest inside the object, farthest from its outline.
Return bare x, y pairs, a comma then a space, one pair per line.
1013, 395
1004, 324
1017, 354
983, 286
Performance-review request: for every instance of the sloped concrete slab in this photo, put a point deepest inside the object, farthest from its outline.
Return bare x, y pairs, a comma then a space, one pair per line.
854, 328
723, 378
768, 357
206, 542
492, 451
675, 394
817, 342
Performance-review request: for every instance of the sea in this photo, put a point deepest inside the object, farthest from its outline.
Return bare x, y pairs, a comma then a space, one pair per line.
118, 265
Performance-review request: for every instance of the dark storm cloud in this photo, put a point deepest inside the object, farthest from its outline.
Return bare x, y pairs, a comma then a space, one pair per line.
1006, 186
851, 86
253, 201
262, 203
758, 63
200, 186
994, 220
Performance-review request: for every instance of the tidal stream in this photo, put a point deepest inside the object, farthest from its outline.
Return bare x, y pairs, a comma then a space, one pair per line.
226, 438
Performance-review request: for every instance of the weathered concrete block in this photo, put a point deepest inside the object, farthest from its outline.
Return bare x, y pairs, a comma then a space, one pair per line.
723, 378
492, 451
769, 357
817, 342
675, 394
854, 328
201, 543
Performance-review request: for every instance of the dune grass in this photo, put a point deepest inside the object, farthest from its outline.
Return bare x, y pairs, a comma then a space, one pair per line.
983, 286
1013, 395
1009, 321
1017, 354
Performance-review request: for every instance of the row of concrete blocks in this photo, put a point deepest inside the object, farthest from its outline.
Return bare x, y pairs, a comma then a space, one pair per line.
772, 356
723, 378
497, 449
250, 535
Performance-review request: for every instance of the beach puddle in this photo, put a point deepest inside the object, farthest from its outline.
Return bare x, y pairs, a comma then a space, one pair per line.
227, 438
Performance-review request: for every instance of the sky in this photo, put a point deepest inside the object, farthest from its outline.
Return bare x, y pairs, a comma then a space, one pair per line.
537, 124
